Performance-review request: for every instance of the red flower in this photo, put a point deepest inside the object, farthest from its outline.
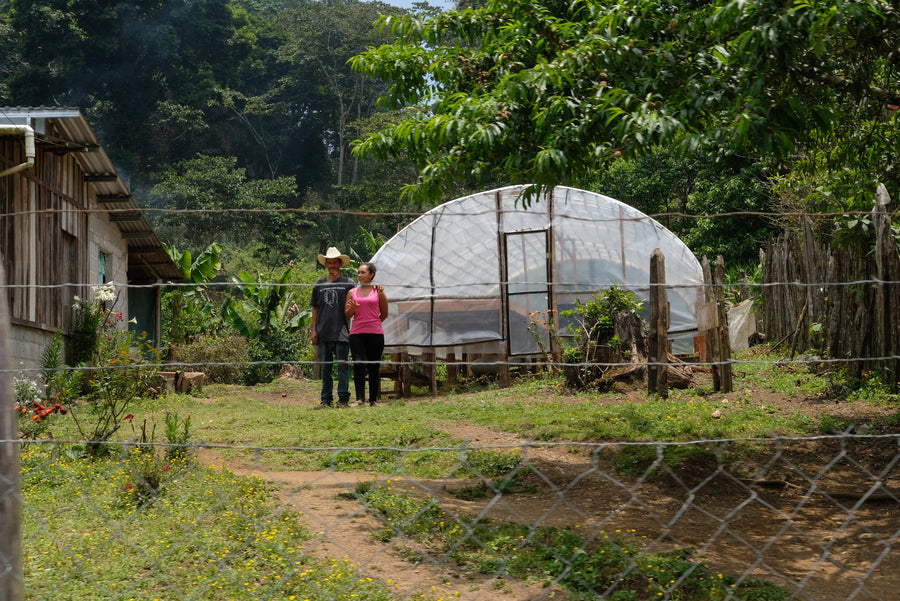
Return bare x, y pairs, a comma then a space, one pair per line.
167, 467
128, 486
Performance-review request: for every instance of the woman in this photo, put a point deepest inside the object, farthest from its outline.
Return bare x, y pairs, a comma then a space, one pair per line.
368, 306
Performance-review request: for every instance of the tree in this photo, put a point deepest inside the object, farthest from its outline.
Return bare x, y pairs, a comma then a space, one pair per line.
144, 72
321, 38
683, 189
545, 91
219, 204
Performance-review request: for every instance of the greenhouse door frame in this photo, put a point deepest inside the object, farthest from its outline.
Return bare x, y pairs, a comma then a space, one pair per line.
527, 289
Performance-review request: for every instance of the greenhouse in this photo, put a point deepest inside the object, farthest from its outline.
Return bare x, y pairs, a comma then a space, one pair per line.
480, 274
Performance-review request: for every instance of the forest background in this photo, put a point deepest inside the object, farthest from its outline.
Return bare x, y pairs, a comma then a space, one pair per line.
277, 128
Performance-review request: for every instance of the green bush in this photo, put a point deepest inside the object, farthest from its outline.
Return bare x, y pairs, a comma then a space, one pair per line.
266, 354
219, 357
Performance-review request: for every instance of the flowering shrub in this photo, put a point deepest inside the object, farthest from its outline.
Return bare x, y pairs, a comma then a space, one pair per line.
31, 410
146, 475
89, 318
120, 366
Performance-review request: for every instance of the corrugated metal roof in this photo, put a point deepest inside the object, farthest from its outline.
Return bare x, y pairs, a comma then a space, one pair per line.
147, 259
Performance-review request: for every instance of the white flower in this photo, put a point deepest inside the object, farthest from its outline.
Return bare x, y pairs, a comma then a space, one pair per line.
105, 293
133, 320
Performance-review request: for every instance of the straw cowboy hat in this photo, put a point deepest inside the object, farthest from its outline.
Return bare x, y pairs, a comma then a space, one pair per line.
333, 253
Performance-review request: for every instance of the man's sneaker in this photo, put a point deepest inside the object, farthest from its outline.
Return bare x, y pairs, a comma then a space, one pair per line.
323, 406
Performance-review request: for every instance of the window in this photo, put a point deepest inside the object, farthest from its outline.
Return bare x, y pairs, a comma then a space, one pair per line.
102, 266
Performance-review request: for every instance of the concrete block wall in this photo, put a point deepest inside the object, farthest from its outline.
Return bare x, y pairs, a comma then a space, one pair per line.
104, 236
26, 345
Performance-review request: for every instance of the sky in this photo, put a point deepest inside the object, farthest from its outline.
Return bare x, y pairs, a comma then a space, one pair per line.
444, 4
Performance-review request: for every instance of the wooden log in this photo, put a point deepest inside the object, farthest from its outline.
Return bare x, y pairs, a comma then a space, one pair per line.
191, 382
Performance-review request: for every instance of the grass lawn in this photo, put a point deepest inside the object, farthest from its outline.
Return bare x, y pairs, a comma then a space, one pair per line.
151, 523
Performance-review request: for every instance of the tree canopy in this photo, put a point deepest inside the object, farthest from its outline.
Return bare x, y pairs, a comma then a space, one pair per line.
544, 91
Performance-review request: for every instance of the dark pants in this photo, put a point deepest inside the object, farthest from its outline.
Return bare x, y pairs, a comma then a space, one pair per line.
329, 353
367, 349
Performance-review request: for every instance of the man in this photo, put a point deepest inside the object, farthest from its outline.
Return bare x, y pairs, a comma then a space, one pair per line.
329, 327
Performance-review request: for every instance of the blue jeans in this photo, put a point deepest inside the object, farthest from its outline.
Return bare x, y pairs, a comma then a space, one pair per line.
329, 352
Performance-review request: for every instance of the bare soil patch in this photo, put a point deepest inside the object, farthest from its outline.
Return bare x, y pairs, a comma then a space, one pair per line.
828, 530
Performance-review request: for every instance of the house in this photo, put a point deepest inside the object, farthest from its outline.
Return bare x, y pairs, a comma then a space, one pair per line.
68, 222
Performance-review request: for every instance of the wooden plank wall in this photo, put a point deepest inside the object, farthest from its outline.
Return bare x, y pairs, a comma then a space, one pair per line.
820, 299
40, 255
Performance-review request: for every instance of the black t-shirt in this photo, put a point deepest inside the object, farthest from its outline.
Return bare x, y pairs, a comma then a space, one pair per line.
331, 298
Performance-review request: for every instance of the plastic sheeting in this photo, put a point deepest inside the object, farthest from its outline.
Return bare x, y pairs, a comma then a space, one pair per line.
482, 270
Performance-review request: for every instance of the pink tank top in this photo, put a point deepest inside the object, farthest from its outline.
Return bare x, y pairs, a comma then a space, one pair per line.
367, 317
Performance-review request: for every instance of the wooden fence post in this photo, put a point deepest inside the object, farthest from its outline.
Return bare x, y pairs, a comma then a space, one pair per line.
709, 323
724, 338
11, 579
317, 367
405, 376
451, 368
887, 263
657, 371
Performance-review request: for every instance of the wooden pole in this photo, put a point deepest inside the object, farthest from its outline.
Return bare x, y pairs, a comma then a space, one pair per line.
11, 579
657, 372
504, 369
405, 376
429, 366
451, 369
724, 338
712, 334
317, 367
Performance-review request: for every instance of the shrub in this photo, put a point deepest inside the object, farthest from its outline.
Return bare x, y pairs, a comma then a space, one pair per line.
31, 411
605, 329
265, 356
219, 357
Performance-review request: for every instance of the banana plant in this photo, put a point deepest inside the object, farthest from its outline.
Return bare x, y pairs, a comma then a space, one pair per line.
188, 307
265, 307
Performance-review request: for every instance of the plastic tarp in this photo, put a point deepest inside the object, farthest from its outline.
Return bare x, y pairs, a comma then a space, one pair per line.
454, 273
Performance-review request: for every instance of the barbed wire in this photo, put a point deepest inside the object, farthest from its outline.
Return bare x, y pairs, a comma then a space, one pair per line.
776, 215
806, 358
582, 287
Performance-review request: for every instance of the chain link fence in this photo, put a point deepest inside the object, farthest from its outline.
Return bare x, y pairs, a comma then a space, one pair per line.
786, 518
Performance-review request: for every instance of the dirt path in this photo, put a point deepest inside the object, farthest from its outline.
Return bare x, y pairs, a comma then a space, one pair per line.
826, 536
